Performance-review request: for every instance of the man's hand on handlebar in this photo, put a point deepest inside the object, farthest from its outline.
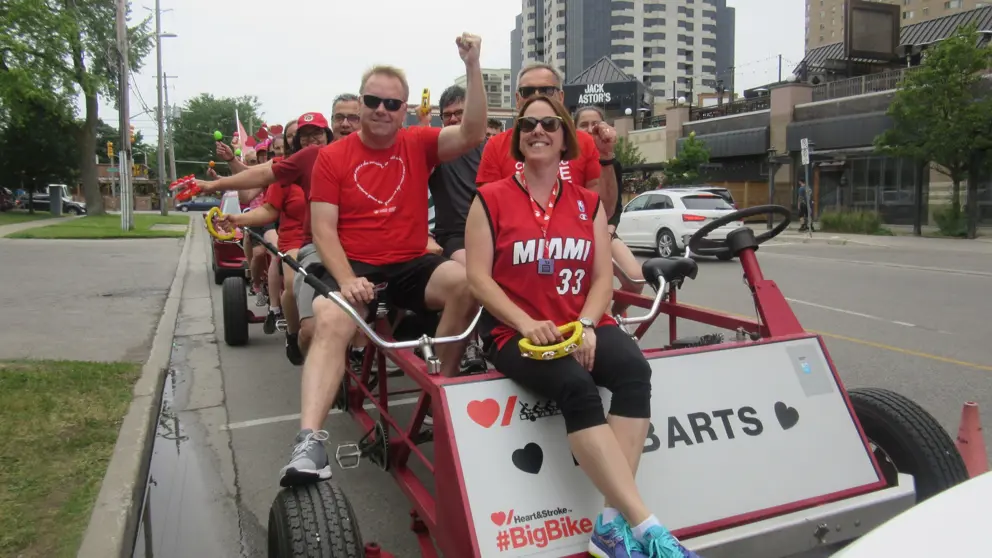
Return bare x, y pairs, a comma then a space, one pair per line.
541, 333
358, 291
586, 353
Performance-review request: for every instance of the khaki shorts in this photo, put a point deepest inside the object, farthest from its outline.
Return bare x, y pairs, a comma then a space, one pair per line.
304, 293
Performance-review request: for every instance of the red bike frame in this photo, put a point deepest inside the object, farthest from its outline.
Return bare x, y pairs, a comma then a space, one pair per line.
450, 507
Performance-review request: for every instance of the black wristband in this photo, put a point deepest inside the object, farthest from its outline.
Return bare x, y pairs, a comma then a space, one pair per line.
606, 162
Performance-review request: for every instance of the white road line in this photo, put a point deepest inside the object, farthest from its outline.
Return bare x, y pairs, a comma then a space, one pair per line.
892, 265
848, 312
287, 418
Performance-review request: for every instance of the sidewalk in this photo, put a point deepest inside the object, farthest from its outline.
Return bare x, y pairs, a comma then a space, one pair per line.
18, 227
981, 245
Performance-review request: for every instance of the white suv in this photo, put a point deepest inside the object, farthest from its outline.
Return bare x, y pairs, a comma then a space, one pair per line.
664, 220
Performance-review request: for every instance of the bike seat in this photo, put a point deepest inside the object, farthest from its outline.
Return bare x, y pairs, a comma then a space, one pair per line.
673, 270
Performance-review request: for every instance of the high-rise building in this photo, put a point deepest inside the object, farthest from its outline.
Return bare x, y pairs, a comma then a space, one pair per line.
825, 18
516, 56
497, 83
672, 46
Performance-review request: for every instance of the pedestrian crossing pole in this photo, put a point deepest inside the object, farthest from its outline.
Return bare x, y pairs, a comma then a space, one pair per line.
806, 148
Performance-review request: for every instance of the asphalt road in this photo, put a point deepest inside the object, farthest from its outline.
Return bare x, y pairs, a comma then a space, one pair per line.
899, 313
96, 300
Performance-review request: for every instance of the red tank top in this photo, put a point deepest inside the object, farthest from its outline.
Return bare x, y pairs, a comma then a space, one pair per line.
519, 243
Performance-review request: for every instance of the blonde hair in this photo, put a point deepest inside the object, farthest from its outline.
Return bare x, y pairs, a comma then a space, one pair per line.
540, 66
385, 70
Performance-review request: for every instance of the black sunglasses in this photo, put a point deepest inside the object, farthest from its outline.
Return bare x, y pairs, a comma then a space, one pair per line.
546, 90
373, 102
528, 124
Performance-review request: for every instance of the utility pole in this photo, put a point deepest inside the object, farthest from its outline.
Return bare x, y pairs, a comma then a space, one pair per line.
124, 153
779, 67
168, 110
163, 194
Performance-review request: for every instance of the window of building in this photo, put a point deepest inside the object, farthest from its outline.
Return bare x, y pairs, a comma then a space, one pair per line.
625, 34
560, 27
621, 49
621, 20
952, 4
654, 36
709, 14
653, 8
687, 26
624, 63
654, 22
686, 11
617, 6
560, 41
709, 28
907, 15
560, 55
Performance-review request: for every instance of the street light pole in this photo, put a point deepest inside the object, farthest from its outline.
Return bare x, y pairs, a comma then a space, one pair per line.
124, 153
162, 193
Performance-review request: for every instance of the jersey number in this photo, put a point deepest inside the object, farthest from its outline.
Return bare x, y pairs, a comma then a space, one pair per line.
571, 281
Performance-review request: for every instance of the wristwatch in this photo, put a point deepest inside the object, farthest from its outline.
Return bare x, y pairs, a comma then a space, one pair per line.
587, 323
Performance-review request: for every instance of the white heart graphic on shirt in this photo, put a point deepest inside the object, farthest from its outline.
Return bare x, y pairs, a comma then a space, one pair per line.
381, 166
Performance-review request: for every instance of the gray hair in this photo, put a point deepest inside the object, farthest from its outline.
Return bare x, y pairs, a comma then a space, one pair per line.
580, 110
344, 98
541, 66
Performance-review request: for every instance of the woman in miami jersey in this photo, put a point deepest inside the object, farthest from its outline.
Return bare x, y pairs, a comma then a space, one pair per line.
538, 256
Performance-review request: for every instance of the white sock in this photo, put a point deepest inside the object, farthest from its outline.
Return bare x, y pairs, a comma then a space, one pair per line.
641, 529
609, 514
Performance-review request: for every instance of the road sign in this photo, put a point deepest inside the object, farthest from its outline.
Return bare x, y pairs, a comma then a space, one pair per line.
112, 169
804, 143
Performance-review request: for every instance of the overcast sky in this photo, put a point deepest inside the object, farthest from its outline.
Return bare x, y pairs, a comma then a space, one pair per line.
297, 55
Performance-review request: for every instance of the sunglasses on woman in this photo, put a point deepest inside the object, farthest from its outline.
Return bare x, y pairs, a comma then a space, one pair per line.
373, 102
528, 124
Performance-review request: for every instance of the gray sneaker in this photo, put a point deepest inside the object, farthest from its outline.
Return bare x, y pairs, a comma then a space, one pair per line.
473, 361
309, 462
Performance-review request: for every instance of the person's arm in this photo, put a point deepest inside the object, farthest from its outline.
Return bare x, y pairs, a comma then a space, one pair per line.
324, 224
255, 177
260, 216
479, 270
457, 140
601, 288
609, 183
245, 196
225, 154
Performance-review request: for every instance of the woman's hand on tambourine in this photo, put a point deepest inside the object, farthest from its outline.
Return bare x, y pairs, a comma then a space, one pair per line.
586, 353
541, 333
227, 222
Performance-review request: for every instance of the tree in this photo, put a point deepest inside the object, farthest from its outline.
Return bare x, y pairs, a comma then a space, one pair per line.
628, 153
37, 147
68, 47
684, 169
193, 130
940, 112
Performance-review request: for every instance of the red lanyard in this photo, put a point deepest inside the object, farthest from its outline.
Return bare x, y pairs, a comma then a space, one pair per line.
542, 217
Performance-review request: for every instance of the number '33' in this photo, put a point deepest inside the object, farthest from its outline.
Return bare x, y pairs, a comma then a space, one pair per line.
571, 281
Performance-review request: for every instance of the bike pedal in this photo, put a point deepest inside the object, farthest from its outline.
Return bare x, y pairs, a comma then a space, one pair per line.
348, 456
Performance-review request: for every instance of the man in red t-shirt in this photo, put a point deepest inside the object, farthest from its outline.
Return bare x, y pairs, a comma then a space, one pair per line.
369, 215
597, 150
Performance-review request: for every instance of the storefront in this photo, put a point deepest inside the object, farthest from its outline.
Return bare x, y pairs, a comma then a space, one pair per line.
606, 86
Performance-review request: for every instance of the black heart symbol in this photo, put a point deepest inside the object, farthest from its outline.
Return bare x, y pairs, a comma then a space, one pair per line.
787, 416
529, 459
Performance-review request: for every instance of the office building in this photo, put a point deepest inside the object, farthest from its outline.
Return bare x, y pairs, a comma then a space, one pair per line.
497, 84
675, 47
825, 18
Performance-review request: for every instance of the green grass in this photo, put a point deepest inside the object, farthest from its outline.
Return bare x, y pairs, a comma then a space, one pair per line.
107, 226
58, 425
15, 216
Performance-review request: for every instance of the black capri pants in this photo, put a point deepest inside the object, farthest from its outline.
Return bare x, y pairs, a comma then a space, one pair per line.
619, 367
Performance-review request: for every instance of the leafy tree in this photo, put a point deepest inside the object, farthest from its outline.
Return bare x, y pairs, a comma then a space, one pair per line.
628, 153
941, 113
684, 169
37, 147
68, 47
193, 130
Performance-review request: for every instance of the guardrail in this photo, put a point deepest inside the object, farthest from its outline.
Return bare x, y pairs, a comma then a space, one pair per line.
861, 85
652, 122
741, 106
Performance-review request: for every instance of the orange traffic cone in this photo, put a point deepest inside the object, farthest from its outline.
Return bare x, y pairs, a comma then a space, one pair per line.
970, 443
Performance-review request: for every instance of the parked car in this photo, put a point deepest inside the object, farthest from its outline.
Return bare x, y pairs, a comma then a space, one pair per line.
664, 220
228, 255
7, 200
41, 201
198, 203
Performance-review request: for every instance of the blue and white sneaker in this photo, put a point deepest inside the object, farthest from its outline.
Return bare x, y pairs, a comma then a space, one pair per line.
659, 543
614, 540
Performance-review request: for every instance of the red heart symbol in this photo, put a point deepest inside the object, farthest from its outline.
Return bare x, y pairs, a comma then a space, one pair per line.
498, 518
484, 412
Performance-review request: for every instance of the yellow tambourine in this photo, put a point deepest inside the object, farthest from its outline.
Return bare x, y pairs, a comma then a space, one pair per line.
215, 212
551, 352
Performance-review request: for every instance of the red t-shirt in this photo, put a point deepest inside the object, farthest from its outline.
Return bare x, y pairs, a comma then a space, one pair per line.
497, 163
293, 209
518, 244
381, 194
298, 169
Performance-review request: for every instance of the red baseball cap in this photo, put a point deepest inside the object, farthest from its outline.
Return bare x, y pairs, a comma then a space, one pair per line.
312, 119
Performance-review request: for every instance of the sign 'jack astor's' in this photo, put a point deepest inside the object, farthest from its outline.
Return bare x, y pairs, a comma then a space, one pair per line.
595, 94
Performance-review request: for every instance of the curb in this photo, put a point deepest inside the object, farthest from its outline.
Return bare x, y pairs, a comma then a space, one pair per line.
113, 523
834, 240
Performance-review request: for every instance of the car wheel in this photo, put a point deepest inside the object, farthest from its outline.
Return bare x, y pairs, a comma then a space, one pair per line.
73, 211
725, 257
907, 439
184, 209
665, 245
